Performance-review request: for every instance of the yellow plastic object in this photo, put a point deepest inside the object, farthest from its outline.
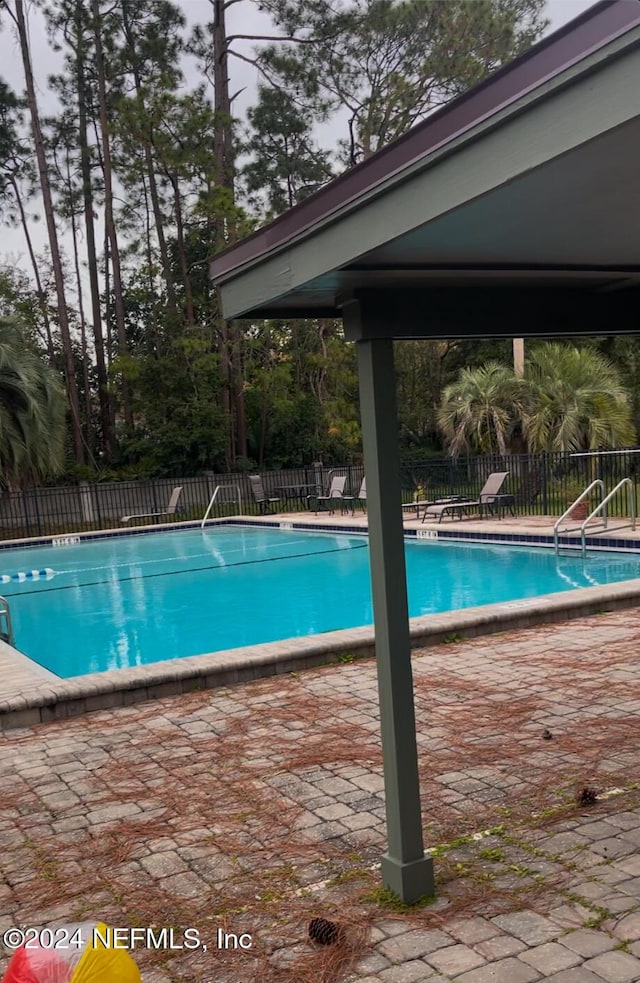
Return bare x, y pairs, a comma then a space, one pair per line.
84, 960
99, 964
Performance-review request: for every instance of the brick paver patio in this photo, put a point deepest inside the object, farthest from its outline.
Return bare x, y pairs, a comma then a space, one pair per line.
252, 809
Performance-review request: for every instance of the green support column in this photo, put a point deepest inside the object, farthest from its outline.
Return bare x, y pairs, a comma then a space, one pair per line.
405, 869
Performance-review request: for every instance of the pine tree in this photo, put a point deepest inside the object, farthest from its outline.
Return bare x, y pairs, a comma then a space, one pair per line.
16, 169
286, 165
19, 19
109, 214
387, 64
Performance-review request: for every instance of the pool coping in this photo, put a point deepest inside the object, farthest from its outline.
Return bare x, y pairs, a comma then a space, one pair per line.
58, 699
451, 532
50, 697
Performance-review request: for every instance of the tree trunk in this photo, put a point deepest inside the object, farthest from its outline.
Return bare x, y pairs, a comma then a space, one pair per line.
237, 368
182, 255
518, 357
107, 300
108, 210
88, 413
63, 315
225, 234
104, 397
151, 286
151, 177
42, 301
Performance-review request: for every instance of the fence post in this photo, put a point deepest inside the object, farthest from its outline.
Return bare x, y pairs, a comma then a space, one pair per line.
25, 508
545, 485
96, 503
207, 485
35, 505
86, 505
38, 512
210, 484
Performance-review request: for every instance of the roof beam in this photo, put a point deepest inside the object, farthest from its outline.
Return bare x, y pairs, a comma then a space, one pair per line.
489, 312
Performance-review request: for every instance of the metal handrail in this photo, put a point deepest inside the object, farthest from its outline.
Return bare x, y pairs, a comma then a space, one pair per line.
597, 483
213, 498
603, 504
6, 628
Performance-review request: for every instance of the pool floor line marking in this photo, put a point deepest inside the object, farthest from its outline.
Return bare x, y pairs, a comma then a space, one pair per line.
226, 566
164, 559
175, 573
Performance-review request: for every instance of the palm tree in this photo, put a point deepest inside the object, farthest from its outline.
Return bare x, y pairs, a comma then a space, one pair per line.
32, 410
574, 401
569, 399
480, 410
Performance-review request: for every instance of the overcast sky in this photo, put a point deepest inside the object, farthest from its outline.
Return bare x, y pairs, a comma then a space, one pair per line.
242, 18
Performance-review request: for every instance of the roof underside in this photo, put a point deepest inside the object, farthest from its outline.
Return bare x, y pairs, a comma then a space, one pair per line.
540, 191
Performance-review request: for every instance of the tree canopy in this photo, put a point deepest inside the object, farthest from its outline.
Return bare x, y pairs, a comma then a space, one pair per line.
569, 399
145, 169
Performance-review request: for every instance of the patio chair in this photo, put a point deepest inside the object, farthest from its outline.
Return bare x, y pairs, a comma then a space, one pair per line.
335, 494
361, 497
489, 495
263, 501
171, 509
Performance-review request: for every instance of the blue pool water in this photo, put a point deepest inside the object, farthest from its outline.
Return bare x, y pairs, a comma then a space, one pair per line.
125, 601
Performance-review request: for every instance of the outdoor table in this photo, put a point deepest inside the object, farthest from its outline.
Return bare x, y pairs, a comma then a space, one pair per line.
346, 502
298, 490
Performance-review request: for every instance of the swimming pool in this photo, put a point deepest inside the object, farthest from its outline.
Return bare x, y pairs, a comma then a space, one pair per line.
132, 600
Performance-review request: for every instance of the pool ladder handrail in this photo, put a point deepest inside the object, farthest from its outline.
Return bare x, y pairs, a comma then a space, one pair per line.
6, 628
237, 500
603, 504
596, 483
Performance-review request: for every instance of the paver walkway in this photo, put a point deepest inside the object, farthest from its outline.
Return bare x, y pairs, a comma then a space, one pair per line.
243, 813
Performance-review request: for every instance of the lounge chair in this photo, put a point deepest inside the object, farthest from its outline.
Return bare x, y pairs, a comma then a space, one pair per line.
417, 505
335, 494
489, 495
171, 509
263, 501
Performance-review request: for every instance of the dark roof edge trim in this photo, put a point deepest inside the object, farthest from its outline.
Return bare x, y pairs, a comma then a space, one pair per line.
593, 29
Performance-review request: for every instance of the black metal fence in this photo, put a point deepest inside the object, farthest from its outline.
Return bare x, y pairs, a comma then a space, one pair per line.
542, 484
85, 507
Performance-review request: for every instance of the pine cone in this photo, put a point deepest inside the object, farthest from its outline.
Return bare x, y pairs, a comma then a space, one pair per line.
324, 932
587, 796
